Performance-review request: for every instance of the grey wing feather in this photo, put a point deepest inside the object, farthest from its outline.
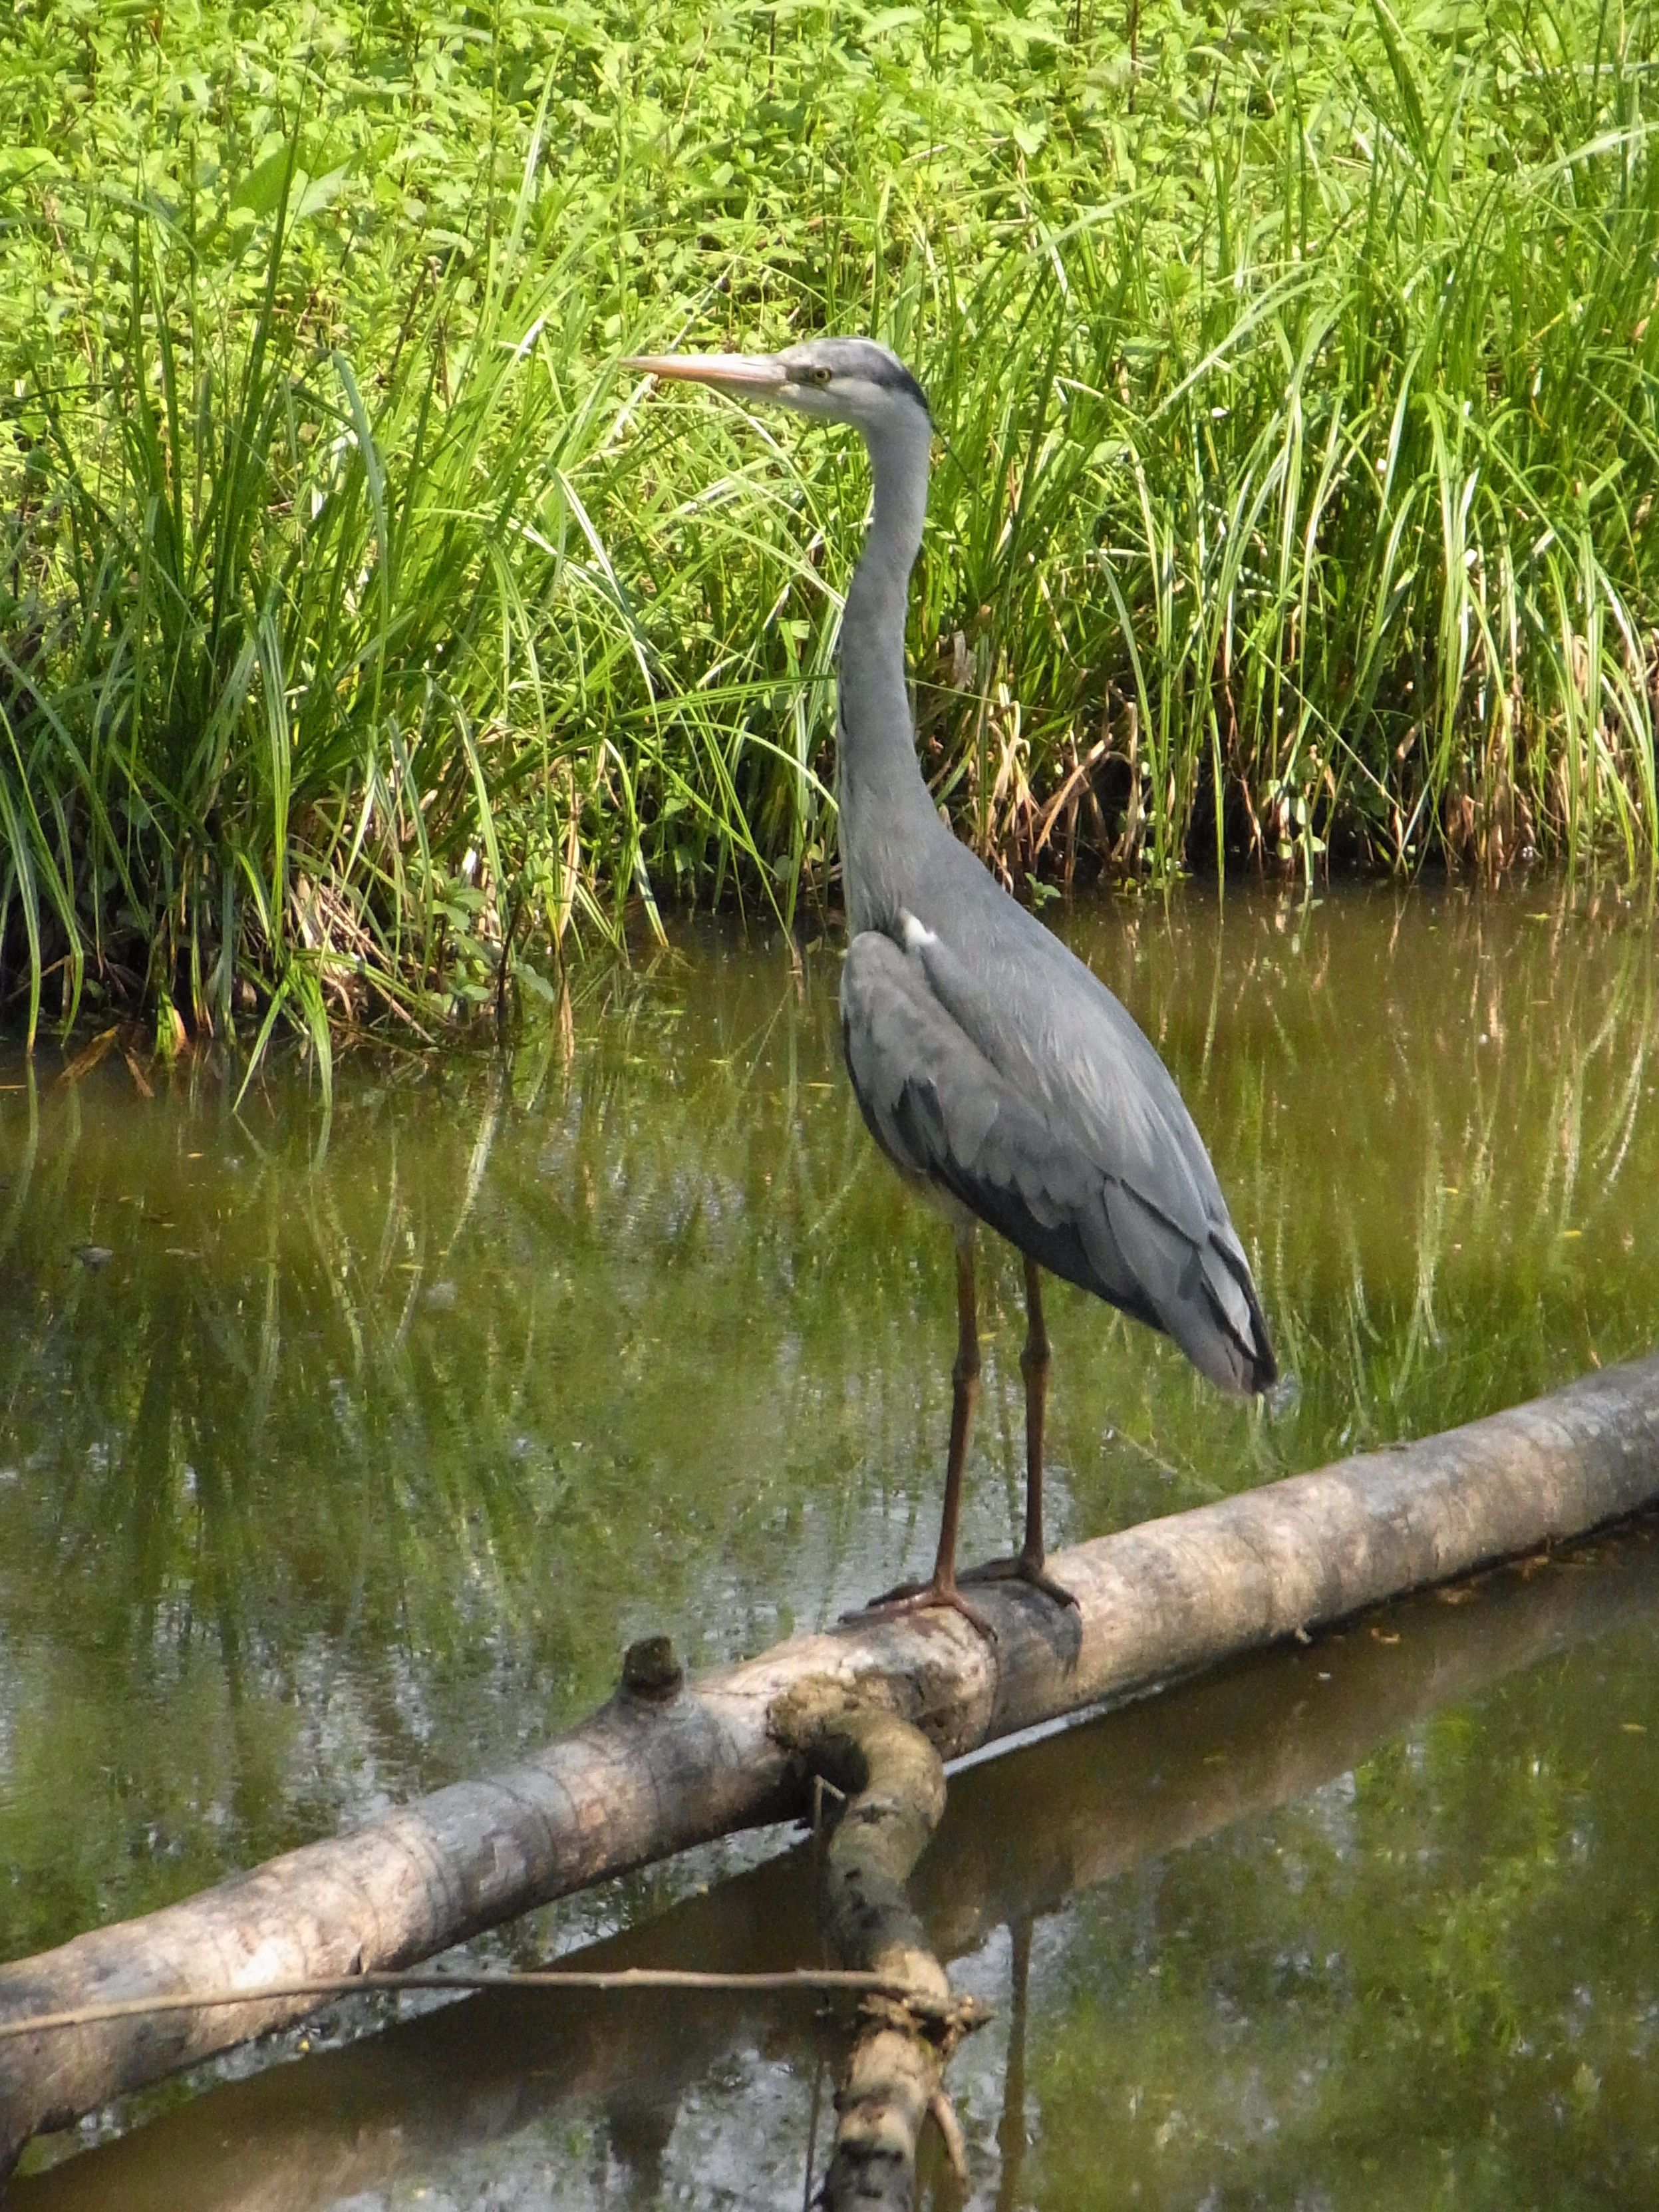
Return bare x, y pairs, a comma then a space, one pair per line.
1093, 1168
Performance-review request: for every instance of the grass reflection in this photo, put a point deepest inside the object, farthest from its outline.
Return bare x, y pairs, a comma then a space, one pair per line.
351, 1470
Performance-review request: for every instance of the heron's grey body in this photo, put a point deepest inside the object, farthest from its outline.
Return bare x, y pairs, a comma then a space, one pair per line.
988, 1061
1061, 1128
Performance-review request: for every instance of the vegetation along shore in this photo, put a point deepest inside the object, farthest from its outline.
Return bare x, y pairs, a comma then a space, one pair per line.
365, 648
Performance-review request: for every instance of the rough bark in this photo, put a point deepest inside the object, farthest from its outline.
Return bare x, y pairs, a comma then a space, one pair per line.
665, 1764
1143, 1781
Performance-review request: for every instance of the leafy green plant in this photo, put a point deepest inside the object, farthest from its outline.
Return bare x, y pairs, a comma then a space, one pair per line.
365, 644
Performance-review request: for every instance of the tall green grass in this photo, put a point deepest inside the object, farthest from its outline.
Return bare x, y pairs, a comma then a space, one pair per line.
293, 668
364, 643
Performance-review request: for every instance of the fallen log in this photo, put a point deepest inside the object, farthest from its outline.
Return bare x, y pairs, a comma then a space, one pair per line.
382, 2112
665, 1765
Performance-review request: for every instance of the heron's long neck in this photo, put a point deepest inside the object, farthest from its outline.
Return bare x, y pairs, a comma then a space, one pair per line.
884, 804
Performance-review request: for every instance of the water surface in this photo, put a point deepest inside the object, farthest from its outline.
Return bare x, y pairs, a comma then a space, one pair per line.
356, 1463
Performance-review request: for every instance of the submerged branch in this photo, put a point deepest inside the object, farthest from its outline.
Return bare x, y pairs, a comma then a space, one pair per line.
889, 1782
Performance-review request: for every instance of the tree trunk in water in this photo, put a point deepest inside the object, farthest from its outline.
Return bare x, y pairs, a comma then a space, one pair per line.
378, 2114
665, 1765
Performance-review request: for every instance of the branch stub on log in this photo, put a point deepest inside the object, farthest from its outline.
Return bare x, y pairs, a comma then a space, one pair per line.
651, 1672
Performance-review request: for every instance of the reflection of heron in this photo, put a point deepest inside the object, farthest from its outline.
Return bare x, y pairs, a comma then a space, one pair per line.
992, 1067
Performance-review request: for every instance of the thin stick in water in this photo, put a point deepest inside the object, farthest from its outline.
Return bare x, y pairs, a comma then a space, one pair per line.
628, 1978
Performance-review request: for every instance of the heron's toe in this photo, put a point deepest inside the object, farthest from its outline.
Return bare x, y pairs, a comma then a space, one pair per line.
921, 1597
1022, 1567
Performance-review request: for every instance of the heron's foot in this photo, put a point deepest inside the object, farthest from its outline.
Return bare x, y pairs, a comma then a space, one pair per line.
923, 1597
1023, 1567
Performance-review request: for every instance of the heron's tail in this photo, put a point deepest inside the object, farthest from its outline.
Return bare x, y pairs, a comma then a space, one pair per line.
1200, 1293
1240, 1332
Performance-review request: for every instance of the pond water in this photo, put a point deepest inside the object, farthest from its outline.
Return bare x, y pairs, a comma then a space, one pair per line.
341, 1456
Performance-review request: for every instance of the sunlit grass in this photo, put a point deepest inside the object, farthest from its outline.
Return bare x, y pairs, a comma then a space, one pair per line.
369, 645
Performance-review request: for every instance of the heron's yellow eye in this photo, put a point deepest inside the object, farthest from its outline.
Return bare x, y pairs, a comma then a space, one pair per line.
820, 375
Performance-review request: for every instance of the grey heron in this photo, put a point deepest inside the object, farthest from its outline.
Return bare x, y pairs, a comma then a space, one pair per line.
991, 1065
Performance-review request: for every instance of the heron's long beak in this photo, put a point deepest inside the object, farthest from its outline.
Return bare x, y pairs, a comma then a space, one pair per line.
757, 375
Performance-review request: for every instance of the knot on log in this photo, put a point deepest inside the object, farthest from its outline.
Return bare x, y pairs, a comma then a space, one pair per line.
945, 2025
650, 1670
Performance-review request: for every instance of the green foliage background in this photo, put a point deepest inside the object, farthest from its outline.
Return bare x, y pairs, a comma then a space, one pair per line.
1294, 372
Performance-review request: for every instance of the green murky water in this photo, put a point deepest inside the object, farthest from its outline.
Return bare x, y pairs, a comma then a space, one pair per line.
353, 1465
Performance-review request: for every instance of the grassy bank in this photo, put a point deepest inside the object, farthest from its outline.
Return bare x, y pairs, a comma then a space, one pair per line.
1295, 377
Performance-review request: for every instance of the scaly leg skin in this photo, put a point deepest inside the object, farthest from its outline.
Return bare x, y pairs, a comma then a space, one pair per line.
1026, 1565
940, 1588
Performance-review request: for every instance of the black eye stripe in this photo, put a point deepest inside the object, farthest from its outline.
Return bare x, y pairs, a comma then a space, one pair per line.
894, 377
865, 363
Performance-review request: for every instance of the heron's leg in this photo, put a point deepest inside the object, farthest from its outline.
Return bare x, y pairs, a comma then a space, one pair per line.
940, 1588
1026, 1567
964, 1396
1034, 1364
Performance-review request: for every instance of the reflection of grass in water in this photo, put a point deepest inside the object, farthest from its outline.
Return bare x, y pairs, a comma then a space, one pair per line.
1429, 1984
1504, 1140
541, 1355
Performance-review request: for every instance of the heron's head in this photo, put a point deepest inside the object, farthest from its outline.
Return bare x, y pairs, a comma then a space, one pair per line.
842, 380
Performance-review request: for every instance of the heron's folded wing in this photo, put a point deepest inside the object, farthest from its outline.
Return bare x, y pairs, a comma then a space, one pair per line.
1101, 1191
1060, 1038
940, 1109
